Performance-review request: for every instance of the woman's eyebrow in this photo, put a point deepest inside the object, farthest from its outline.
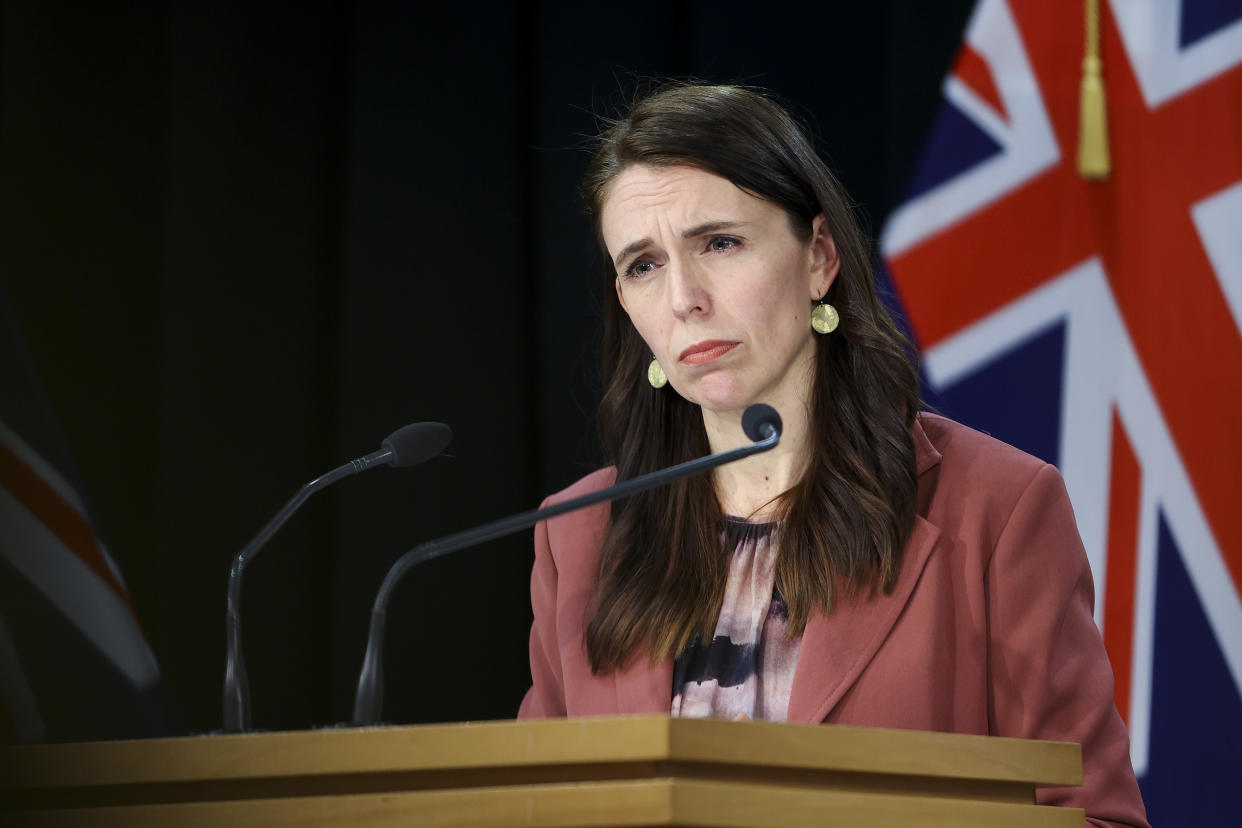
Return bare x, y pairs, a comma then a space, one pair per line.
630, 249
712, 227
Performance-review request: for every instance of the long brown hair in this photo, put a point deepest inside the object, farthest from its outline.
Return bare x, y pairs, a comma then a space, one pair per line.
662, 567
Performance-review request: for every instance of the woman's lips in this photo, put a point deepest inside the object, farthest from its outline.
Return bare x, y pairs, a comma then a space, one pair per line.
701, 352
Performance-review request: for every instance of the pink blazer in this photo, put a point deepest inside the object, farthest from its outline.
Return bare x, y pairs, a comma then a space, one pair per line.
989, 629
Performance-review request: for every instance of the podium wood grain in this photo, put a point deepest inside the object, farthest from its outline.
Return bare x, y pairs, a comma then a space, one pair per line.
648, 770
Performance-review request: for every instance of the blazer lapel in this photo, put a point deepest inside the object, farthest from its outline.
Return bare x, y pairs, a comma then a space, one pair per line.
837, 648
643, 687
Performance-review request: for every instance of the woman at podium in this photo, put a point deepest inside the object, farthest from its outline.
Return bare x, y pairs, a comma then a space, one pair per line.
882, 566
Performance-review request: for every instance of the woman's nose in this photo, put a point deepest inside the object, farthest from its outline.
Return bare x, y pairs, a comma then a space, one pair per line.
688, 290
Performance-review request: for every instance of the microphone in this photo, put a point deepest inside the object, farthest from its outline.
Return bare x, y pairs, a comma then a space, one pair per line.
760, 423
407, 446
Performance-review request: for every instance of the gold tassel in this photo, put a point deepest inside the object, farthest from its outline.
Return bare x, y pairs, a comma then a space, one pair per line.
1093, 161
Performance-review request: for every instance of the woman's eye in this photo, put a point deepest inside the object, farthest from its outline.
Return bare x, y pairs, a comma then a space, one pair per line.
639, 268
722, 243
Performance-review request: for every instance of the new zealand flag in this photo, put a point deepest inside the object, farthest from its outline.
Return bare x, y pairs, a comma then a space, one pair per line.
1098, 325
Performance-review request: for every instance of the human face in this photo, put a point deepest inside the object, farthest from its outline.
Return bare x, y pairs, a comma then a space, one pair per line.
717, 284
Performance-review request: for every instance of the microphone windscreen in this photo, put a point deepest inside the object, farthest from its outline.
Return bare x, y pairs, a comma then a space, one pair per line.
756, 417
412, 444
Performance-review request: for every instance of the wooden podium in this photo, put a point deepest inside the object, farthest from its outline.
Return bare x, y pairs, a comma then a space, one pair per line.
646, 770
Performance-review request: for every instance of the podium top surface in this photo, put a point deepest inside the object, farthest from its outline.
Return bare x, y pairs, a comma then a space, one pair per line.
551, 742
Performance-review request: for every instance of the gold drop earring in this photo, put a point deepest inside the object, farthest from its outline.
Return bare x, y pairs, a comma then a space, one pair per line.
656, 375
824, 318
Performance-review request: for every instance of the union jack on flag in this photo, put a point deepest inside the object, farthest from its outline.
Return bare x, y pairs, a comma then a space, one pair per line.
1098, 325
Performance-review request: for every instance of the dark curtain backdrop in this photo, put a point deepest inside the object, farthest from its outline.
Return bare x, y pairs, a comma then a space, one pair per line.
245, 242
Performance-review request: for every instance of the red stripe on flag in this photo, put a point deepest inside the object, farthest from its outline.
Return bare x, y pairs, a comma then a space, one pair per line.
973, 71
64, 521
1164, 284
1121, 571
995, 256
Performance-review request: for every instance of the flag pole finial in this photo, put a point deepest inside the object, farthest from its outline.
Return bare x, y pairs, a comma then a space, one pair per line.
1093, 160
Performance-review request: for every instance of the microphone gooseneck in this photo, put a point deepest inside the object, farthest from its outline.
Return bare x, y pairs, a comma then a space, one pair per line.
764, 430
407, 446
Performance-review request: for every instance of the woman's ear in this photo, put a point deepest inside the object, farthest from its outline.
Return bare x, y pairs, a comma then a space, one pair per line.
825, 261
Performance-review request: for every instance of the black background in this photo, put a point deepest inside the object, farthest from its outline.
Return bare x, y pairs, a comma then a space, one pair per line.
245, 242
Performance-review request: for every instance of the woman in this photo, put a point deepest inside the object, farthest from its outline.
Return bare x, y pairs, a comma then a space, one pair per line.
881, 567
